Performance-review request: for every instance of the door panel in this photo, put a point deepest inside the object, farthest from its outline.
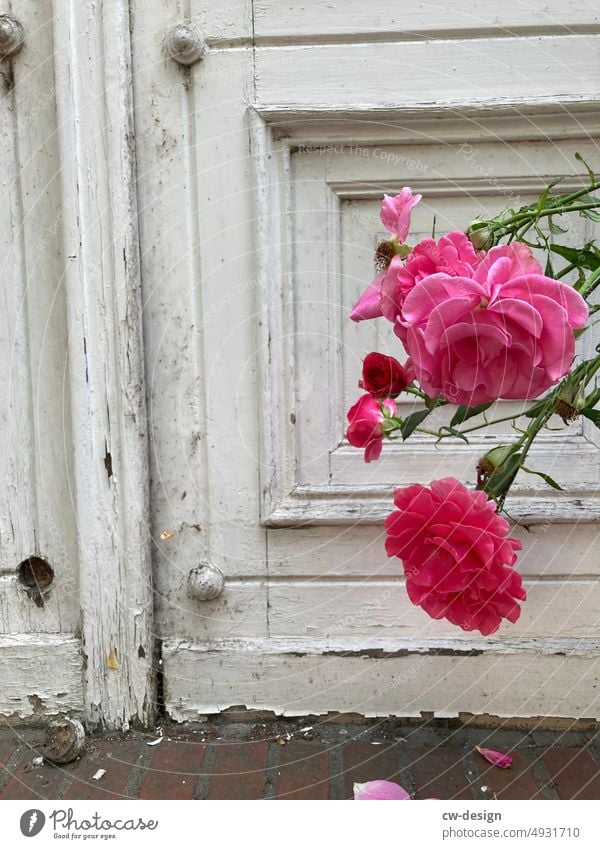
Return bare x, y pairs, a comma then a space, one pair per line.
260, 173
320, 19
37, 517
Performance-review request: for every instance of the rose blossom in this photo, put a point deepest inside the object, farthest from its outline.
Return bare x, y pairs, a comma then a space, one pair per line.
395, 212
456, 554
383, 376
395, 217
365, 429
452, 254
505, 332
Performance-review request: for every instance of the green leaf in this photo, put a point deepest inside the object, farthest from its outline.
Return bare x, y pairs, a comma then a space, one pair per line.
579, 257
555, 229
463, 413
453, 432
591, 174
589, 213
592, 415
413, 421
550, 481
544, 195
533, 411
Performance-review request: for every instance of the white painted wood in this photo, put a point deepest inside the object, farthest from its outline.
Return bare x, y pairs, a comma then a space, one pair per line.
252, 248
36, 511
353, 20
352, 552
449, 73
200, 294
336, 608
320, 198
311, 679
41, 676
92, 68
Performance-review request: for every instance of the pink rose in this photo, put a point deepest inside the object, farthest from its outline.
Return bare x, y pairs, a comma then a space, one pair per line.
365, 429
369, 304
383, 376
452, 254
456, 555
499, 334
395, 212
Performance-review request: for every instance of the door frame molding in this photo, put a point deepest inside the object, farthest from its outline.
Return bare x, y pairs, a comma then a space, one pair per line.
106, 365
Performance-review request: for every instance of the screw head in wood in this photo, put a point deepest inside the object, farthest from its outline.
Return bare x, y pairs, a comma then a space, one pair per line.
206, 582
12, 36
185, 44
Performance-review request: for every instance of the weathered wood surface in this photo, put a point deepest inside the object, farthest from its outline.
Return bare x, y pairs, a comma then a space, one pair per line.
41, 676
106, 369
445, 679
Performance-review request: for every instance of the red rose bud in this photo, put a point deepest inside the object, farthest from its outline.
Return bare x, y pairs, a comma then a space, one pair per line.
382, 376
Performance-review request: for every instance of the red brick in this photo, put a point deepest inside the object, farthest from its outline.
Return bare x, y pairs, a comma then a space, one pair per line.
303, 772
119, 758
368, 762
518, 782
439, 772
239, 770
27, 781
574, 773
173, 771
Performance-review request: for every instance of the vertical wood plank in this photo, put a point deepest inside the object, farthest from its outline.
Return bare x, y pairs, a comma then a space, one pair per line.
93, 72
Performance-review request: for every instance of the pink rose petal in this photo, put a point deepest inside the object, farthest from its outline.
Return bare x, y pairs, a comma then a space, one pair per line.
379, 790
496, 758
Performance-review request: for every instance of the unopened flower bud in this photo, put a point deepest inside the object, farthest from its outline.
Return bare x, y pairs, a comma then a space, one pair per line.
495, 458
481, 234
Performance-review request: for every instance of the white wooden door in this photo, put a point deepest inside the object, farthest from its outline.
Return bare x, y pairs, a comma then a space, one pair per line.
260, 172
75, 588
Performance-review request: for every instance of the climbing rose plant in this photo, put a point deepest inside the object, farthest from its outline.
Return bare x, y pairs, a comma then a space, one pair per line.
480, 320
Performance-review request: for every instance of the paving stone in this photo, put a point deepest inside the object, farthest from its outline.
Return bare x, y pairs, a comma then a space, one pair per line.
239, 770
303, 771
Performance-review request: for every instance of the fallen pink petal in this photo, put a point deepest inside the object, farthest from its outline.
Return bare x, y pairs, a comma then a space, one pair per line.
496, 758
379, 790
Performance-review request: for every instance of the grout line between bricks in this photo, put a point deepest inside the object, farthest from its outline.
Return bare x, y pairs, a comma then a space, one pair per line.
271, 772
204, 779
542, 776
337, 789
472, 774
139, 771
407, 779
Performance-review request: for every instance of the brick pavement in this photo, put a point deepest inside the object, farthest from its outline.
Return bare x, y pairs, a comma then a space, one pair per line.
283, 760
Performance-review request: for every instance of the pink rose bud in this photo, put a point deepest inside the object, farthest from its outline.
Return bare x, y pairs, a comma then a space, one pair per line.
366, 425
395, 212
383, 376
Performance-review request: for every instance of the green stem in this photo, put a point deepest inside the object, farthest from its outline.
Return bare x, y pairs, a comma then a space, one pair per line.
590, 283
558, 210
